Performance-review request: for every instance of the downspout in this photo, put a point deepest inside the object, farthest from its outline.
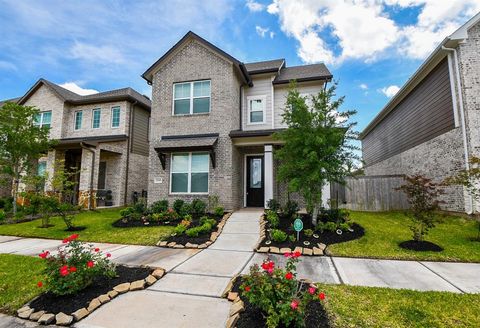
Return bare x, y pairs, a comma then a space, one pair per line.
129, 147
462, 117
90, 196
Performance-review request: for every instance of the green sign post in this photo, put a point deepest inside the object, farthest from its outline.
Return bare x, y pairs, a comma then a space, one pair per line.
298, 226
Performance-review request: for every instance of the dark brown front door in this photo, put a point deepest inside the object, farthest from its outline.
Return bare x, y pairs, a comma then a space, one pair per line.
255, 183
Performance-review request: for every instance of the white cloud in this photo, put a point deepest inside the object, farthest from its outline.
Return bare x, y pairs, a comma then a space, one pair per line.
99, 54
254, 6
74, 87
390, 91
272, 34
261, 31
363, 86
7, 66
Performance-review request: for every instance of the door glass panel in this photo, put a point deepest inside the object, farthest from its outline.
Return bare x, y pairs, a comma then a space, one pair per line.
255, 173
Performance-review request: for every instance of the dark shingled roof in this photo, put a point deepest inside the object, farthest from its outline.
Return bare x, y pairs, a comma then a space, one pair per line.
303, 73
9, 100
266, 66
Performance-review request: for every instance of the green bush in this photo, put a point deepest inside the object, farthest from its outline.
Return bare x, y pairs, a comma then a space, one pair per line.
136, 216
202, 229
188, 217
3, 216
330, 226
272, 218
206, 219
177, 205
320, 226
186, 209
126, 212
292, 238
273, 205
180, 229
199, 207
139, 207
308, 232
279, 236
159, 206
218, 211
344, 226
290, 209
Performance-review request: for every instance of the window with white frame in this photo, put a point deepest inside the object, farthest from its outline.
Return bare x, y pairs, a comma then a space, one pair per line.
189, 173
96, 114
115, 117
41, 168
78, 119
43, 119
256, 109
191, 98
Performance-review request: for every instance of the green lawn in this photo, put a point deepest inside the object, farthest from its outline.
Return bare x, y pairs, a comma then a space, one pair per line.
18, 281
99, 229
384, 231
351, 306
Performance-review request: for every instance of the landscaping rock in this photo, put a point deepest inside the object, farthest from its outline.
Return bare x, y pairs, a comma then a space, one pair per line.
94, 304
322, 246
298, 249
171, 244
327, 252
80, 314
137, 285
158, 273
228, 288
104, 298
307, 251
232, 321
46, 319
317, 251
232, 296
202, 246
190, 245
274, 250
36, 315
208, 243
285, 250
112, 294
23, 309
63, 320
122, 288
213, 236
150, 280
237, 308
163, 243
25, 314
178, 246
263, 249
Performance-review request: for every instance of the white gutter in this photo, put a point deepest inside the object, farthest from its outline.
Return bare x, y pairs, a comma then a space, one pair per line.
462, 117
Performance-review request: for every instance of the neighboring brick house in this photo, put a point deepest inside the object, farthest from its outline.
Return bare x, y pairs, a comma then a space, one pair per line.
431, 126
104, 135
212, 123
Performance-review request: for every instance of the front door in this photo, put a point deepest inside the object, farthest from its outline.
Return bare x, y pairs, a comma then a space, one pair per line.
255, 183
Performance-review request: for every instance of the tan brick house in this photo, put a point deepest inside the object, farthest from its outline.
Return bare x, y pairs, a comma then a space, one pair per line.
212, 123
103, 135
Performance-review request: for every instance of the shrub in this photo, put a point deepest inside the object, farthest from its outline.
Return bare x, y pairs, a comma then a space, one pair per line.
292, 238
279, 236
177, 205
186, 209
206, 219
290, 209
188, 217
277, 293
272, 218
139, 207
320, 226
180, 229
344, 226
308, 232
168, 215
199, 207
125, 213
218, 211
206, 227
3, 216
135, 216
159, 206
330, 226
75, 267
273, 205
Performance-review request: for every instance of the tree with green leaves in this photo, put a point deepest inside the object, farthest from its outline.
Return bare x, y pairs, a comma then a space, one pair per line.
22, 142
318, 145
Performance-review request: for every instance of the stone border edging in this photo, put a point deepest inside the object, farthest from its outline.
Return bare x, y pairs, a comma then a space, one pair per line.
213, 237
62, 319
314, 251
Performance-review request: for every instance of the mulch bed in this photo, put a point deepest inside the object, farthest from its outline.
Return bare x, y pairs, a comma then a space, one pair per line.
121, 223
102, 285
420, 246
183, 238
326, 237
315, 314
79, 228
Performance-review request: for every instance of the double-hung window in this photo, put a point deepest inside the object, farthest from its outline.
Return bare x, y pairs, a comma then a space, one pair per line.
115, 117
189, 173
96, 114
41, 168
43, 119
191, 98
78, 119
256, 109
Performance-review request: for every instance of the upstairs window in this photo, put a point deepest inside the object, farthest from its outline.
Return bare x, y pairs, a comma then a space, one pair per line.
41, 168
78, 119
43, 119
191, 98
96, 113
115, 117
256, 110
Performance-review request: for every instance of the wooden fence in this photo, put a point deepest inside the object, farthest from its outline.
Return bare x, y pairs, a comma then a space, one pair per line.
370, 193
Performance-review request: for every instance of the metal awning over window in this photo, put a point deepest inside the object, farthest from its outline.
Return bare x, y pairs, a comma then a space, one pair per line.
181, 143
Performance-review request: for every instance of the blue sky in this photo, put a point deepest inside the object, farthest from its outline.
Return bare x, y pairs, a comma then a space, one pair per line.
371, 46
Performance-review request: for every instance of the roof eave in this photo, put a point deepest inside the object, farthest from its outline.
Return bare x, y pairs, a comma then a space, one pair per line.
327, 78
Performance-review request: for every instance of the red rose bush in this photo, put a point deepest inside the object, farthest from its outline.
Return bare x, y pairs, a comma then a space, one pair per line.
278, 294
74, 267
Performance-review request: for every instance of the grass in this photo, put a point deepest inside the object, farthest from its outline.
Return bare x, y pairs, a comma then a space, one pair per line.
385, 230
18, 281
99, 229
352, 306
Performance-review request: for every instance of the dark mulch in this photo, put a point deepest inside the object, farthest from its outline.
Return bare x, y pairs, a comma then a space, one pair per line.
121, 223
71, 303
420, 246
79, 228
326, 237
183, 238
315, 314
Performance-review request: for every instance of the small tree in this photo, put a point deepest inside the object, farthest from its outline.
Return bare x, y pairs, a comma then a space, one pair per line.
422, 196
22, 142
317, 145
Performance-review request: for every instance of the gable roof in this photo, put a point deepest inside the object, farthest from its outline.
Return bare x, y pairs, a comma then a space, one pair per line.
267, 66
314, 72
148, 74
427, 66
14, 100
68, 96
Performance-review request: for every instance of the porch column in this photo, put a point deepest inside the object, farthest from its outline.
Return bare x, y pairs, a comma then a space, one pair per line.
268, 159
326, 195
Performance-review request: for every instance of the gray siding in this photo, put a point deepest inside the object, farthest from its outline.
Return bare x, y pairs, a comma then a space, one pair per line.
140, 131
424, 114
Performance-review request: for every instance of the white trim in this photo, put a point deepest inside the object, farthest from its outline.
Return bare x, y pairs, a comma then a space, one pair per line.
75, 120
263, 98
245, 175
93, 117
189, 174
41, 123
119, 116
191, 98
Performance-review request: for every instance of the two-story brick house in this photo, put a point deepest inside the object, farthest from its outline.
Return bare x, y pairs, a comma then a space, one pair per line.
212, 123
103, 135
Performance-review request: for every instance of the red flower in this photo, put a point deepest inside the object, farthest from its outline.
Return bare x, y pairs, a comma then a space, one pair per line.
289, 276
294, 304
170, 210
64, 271
109, 255
287, 254
73, 237
97, 249
247, 288
44, 254
296, 254
312, 290
40, 284
66, 240
268, 266
73, 269
321, 296
90, 264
